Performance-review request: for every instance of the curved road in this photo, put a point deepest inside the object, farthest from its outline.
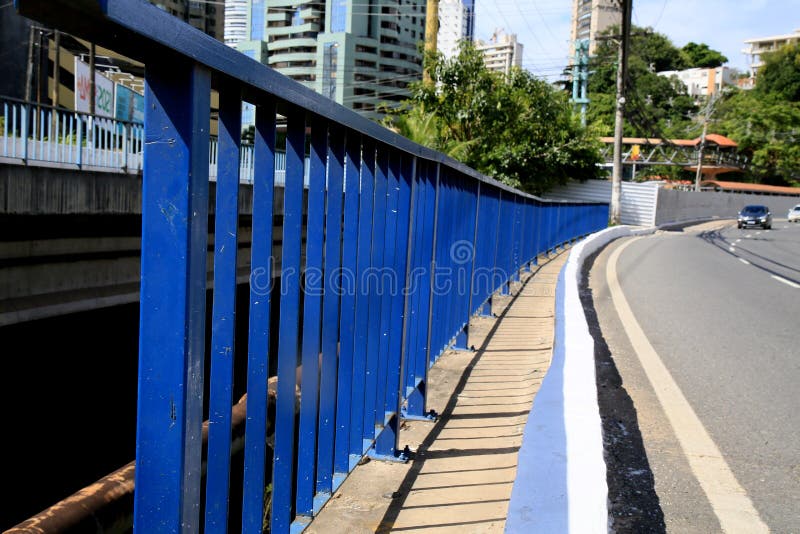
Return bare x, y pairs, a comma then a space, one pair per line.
720, 308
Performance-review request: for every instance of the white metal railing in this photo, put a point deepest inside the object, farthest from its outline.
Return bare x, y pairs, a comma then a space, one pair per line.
39, 134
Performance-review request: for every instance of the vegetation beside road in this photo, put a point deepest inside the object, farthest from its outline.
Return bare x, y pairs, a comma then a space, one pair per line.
516, 128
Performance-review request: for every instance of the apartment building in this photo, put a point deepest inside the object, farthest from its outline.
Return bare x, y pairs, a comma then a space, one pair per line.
456, 24
757, 47
235, 27
590, 18
204, 15
360, 53
702, 82
502, 52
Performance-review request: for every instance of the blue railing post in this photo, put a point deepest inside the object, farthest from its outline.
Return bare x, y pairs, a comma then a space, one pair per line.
223, 324
173, 296
417, 400
255, 437
367, 201
347, 378
330, 311
312, 326
288, 334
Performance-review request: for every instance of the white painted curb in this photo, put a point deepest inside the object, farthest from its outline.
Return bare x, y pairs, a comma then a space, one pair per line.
560, 485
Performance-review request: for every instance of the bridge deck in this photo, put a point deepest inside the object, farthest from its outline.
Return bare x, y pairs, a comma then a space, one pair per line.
464, 465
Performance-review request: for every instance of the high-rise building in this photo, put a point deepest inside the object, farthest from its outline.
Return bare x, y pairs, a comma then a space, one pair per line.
360, 53
205, 16
590, 18
235, 22
456, 23
501, 52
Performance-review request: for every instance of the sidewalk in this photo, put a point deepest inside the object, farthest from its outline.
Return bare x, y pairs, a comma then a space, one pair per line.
464, 465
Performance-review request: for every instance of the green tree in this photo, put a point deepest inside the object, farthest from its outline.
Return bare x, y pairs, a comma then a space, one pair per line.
657, 106
515, 128
767, 129
780, 75
700, 55
765, 122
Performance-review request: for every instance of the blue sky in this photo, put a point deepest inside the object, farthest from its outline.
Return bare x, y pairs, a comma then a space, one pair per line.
543, 25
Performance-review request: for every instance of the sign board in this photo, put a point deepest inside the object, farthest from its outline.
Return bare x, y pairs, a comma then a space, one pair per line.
128, 105
103, 90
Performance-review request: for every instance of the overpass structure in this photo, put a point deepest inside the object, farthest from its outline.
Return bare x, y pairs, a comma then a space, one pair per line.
718, 153
384, 257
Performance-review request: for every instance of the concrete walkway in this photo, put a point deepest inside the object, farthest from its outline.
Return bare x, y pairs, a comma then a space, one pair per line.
464, 465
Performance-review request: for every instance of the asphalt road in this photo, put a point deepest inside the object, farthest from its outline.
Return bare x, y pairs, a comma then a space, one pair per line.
721, 308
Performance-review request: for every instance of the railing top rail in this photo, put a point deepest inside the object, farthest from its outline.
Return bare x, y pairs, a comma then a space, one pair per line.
122, 25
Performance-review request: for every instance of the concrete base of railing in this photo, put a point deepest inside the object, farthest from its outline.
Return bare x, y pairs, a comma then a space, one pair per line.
561, 475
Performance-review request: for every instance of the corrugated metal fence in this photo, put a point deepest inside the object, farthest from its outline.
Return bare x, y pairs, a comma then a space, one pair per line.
637, 203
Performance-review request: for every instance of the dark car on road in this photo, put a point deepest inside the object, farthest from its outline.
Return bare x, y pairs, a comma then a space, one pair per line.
755, 215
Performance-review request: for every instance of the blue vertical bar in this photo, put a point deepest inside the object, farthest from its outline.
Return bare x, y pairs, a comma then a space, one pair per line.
360, 337
429, 350
388, 273
312, 317
373, 289
288, 335
474, 254
345, 387
255, 437
405, 169
173, 297
223, 322
414, 314
416, 398
330, 312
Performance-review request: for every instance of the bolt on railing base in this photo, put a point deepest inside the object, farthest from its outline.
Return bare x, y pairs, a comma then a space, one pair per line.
430, 417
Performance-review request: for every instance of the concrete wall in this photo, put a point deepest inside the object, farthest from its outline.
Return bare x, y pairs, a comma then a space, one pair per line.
34, 190
677, 206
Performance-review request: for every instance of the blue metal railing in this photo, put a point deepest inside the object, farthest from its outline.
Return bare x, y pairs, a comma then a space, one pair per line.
403, 245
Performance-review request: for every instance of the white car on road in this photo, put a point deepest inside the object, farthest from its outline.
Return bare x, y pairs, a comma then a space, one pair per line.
794, 214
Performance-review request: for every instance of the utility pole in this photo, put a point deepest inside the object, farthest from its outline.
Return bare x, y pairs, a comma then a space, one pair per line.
699, 174
29, 70
91, 78
622, 72
431, 35
56, 69
712, 100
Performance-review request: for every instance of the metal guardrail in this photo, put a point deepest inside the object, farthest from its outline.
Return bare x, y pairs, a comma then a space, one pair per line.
40, 133
403, 246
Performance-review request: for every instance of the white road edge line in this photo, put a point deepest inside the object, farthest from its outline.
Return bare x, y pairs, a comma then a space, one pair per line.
744, 261
785, 281
727, 497
732, 249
